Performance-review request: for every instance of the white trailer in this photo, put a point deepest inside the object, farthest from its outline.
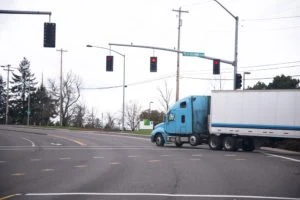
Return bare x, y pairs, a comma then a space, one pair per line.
253, 115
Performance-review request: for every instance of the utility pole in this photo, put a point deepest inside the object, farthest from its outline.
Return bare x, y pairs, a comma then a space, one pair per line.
178, 50
7, 90
61, 85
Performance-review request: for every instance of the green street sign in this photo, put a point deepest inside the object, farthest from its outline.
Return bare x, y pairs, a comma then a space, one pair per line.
194, 54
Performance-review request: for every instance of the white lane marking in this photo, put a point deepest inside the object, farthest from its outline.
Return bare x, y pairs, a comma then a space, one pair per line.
194, 159
65, 158
230, 155
47, 170
55, 144
197, 155
283, 157
114, 163
80, 166
35, 159
2, 161
133, 156
98, 157
32, 143
164, 155
161, 194
18, 174
240, 159
153, 161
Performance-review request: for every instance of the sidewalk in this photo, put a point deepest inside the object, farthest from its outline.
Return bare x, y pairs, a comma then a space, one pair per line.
280, 151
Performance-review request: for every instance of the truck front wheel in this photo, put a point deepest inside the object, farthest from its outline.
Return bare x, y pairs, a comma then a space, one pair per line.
194, 140
215, 142
159, 140
230, 143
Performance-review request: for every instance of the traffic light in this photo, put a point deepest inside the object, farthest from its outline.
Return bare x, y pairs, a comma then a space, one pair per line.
109, 63
153, 64
49, 34
238, 81
216, 66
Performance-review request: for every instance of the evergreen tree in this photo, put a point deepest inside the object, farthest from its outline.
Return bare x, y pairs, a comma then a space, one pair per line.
2, 100
43, 107
23, 84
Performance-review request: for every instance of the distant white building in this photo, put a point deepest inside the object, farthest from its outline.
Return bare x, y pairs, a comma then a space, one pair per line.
146, 124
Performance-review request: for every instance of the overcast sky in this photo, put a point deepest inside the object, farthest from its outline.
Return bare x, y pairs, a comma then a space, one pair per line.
269, 33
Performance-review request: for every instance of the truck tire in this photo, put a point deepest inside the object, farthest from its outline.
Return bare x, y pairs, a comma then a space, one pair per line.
159, 140
229, 143
248, 144
194, 140
178, 142
215, 143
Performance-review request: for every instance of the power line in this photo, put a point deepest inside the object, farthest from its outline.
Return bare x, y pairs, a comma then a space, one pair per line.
272, 18
230, 79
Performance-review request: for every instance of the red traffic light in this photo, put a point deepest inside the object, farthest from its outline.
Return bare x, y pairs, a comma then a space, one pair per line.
153, 59
216, 62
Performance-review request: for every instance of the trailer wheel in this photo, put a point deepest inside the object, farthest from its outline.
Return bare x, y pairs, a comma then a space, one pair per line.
215, 142
229, 143
194, 140
159, 140
248, 144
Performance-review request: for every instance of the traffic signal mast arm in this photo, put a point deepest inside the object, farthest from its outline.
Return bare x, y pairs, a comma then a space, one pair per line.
171, 50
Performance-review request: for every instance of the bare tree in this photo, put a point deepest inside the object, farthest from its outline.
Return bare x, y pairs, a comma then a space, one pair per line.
70, 95
110, 121
91, 118
132, 115
165, 97
78, 116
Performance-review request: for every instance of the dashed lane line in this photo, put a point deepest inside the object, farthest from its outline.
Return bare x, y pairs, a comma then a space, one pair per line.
240, 159
230, 155
133, 156
165, 155
197, 155
2, 161
98, 157
80, 166
115, 163
153, 161
47, 170
18, 174
65, 158
195, 159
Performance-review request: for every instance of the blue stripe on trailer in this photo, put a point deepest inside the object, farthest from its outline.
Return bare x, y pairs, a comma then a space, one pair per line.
256, 126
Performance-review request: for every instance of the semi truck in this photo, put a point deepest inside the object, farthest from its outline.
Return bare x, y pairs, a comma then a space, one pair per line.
232, 120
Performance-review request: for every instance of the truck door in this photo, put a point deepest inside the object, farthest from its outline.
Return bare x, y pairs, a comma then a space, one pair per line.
181, 122
170, 125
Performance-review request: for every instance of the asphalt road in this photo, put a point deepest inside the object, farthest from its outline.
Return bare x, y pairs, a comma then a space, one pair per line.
61, 164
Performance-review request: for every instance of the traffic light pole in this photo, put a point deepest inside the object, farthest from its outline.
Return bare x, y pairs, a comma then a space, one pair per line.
123, 103
26, 13
170, 50
235, 43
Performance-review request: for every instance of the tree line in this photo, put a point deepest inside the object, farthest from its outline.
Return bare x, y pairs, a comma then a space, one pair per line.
35, 104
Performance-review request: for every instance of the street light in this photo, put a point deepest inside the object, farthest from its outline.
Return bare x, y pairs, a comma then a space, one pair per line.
244, 77
150, 109
123, 106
